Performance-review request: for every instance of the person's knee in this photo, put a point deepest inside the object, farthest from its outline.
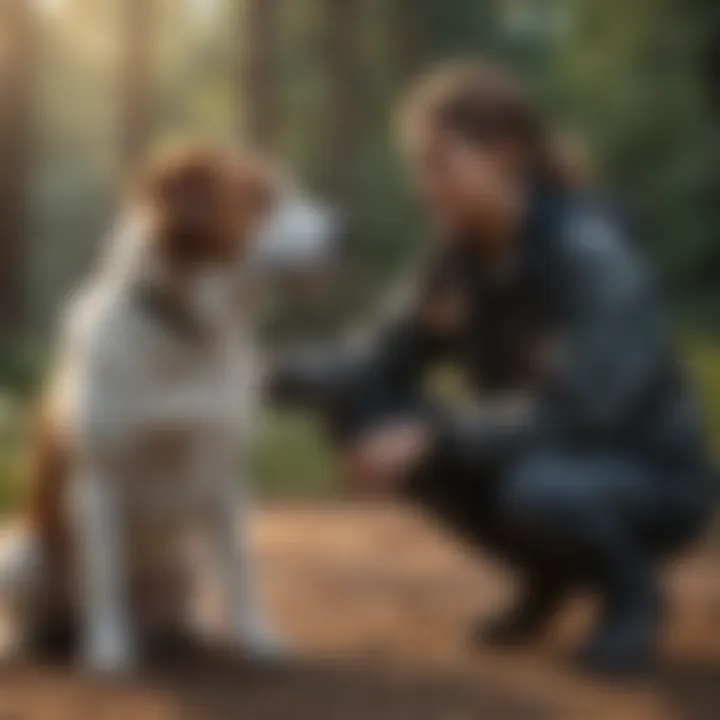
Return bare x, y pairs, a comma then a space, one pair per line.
542, 496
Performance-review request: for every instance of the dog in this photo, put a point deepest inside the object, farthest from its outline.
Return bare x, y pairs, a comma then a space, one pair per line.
139, 441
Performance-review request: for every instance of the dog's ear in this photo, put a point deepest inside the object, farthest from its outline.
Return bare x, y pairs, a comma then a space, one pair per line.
190, 193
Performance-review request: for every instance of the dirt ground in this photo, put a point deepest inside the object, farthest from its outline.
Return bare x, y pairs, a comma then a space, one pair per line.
377, 605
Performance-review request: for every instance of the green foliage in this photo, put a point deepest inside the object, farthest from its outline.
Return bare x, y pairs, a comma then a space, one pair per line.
290, 457
456, 27
622, 72
21, 367
703, 356
13, 431
626, 75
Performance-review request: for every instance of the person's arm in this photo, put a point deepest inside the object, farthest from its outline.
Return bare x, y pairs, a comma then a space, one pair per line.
376, 366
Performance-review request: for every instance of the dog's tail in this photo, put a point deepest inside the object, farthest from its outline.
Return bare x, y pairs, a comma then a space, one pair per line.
48, 471
34, 551
23, 544
21, 578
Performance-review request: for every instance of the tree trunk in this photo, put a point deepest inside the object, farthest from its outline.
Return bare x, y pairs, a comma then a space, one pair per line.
343, 60
17, 55
135, 87
259, 82
407, 31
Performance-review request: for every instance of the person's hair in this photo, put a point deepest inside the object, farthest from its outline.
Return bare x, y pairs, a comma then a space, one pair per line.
481, 102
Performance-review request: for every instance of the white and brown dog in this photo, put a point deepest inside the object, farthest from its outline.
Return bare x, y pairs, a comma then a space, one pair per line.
139, 444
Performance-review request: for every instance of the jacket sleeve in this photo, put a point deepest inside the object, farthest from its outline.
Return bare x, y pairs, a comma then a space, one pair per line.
612, 344
423, 327
386, 358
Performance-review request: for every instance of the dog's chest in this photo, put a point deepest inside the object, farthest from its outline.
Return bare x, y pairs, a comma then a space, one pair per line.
174, 464
210, 383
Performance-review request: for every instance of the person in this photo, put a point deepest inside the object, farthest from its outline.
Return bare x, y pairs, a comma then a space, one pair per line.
581, 459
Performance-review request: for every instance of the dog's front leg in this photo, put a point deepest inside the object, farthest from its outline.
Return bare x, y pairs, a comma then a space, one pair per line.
251, 627
107, 641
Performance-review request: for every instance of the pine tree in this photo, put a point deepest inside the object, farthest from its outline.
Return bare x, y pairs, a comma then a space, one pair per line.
345, 107
258, 85
135, 82
17, 56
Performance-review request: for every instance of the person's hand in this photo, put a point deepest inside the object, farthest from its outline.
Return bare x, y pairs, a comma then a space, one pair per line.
381, 459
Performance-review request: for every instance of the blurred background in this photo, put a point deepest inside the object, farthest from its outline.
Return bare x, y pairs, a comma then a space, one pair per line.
87, 85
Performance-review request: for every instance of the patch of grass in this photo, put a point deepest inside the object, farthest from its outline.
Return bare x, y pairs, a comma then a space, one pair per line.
21, 367
291, 457
703, 359
12, 436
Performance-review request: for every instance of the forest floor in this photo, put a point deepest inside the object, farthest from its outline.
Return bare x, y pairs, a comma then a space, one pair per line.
378, 604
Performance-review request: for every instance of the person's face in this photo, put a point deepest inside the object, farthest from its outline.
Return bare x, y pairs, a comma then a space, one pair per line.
465, 187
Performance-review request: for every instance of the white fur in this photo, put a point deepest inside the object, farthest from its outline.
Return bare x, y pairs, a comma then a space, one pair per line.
158, 423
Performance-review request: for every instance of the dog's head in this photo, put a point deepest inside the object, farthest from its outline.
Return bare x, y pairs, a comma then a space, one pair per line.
210, 207
204, 205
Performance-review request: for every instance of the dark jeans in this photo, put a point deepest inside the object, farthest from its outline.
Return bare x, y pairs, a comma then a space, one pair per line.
602, 513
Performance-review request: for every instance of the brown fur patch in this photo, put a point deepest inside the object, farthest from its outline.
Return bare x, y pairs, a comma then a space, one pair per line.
49, 466
205, 202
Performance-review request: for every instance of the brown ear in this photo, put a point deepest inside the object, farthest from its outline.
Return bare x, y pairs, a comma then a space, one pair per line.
188, 193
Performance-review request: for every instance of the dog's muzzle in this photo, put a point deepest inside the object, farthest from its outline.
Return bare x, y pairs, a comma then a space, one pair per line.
300, 237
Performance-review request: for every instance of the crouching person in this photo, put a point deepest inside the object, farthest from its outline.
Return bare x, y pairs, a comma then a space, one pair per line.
582, 461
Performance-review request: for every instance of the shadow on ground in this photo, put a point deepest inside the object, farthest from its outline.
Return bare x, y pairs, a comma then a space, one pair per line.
214, 686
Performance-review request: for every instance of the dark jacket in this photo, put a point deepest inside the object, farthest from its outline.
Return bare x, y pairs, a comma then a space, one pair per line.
575, 321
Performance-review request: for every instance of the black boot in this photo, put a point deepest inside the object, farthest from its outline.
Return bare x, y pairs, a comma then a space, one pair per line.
528, 618
624, 642
53, 637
